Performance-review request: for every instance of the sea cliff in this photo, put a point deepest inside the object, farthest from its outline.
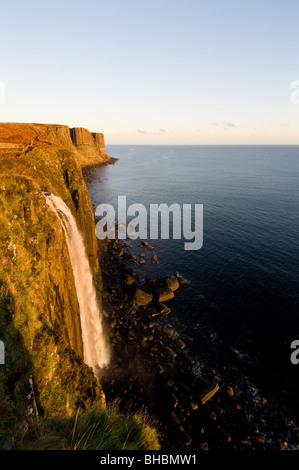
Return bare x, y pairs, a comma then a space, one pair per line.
88, 147
44, 374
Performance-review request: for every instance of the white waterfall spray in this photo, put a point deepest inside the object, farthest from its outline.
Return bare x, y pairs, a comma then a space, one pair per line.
95, 347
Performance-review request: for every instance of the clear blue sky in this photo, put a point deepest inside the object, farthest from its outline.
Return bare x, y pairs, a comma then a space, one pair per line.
154, 72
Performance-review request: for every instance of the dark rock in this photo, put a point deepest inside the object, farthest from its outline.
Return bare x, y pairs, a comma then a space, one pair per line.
204, 446
142, 298
172, 283
168, 331
208, 393
181, 343
171, 352
153, 283
188, 439
164, 294
187, 357
175, 418
130, 280
164, 310
6, 442
148, 338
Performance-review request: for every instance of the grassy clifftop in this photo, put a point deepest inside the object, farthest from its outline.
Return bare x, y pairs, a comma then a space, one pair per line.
45, 387
88, 148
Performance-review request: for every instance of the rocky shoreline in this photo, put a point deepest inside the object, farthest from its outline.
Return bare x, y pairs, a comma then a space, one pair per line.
189, 380
88, 170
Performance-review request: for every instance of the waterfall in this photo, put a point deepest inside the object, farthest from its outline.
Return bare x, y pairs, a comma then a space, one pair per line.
95, 347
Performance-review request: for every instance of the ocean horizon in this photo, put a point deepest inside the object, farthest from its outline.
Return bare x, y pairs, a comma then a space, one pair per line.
249, 257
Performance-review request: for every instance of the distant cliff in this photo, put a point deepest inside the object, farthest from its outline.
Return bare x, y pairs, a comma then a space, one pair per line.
15, 138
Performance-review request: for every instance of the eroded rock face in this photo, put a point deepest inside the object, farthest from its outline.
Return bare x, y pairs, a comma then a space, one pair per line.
81, 136
99, 139
28, 136
16, 138
89, 144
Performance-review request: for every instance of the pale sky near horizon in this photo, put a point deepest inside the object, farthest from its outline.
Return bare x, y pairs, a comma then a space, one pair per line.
154, 72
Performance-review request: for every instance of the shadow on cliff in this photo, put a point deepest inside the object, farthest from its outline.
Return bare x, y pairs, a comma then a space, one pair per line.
15, 388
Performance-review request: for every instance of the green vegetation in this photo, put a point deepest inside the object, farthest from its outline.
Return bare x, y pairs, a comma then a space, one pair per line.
97, 429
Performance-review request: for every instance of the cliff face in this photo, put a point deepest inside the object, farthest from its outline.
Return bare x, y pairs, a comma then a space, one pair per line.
44, 373
89, 143
39, 317
88, 147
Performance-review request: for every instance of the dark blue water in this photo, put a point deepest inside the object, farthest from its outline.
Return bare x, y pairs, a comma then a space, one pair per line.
246, 273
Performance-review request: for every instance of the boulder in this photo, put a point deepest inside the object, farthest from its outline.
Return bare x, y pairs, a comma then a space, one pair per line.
130, 280
204, 446
152, 282
142, 298
148, 338
168, 331
172, 283
208, 393
164, 310
171, 352
164, 294
181, 343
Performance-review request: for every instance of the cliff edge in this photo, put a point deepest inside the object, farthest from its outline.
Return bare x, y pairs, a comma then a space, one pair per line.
89, 147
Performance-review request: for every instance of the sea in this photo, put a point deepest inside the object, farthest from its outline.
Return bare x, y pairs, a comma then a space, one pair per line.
241, 294
246, 272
